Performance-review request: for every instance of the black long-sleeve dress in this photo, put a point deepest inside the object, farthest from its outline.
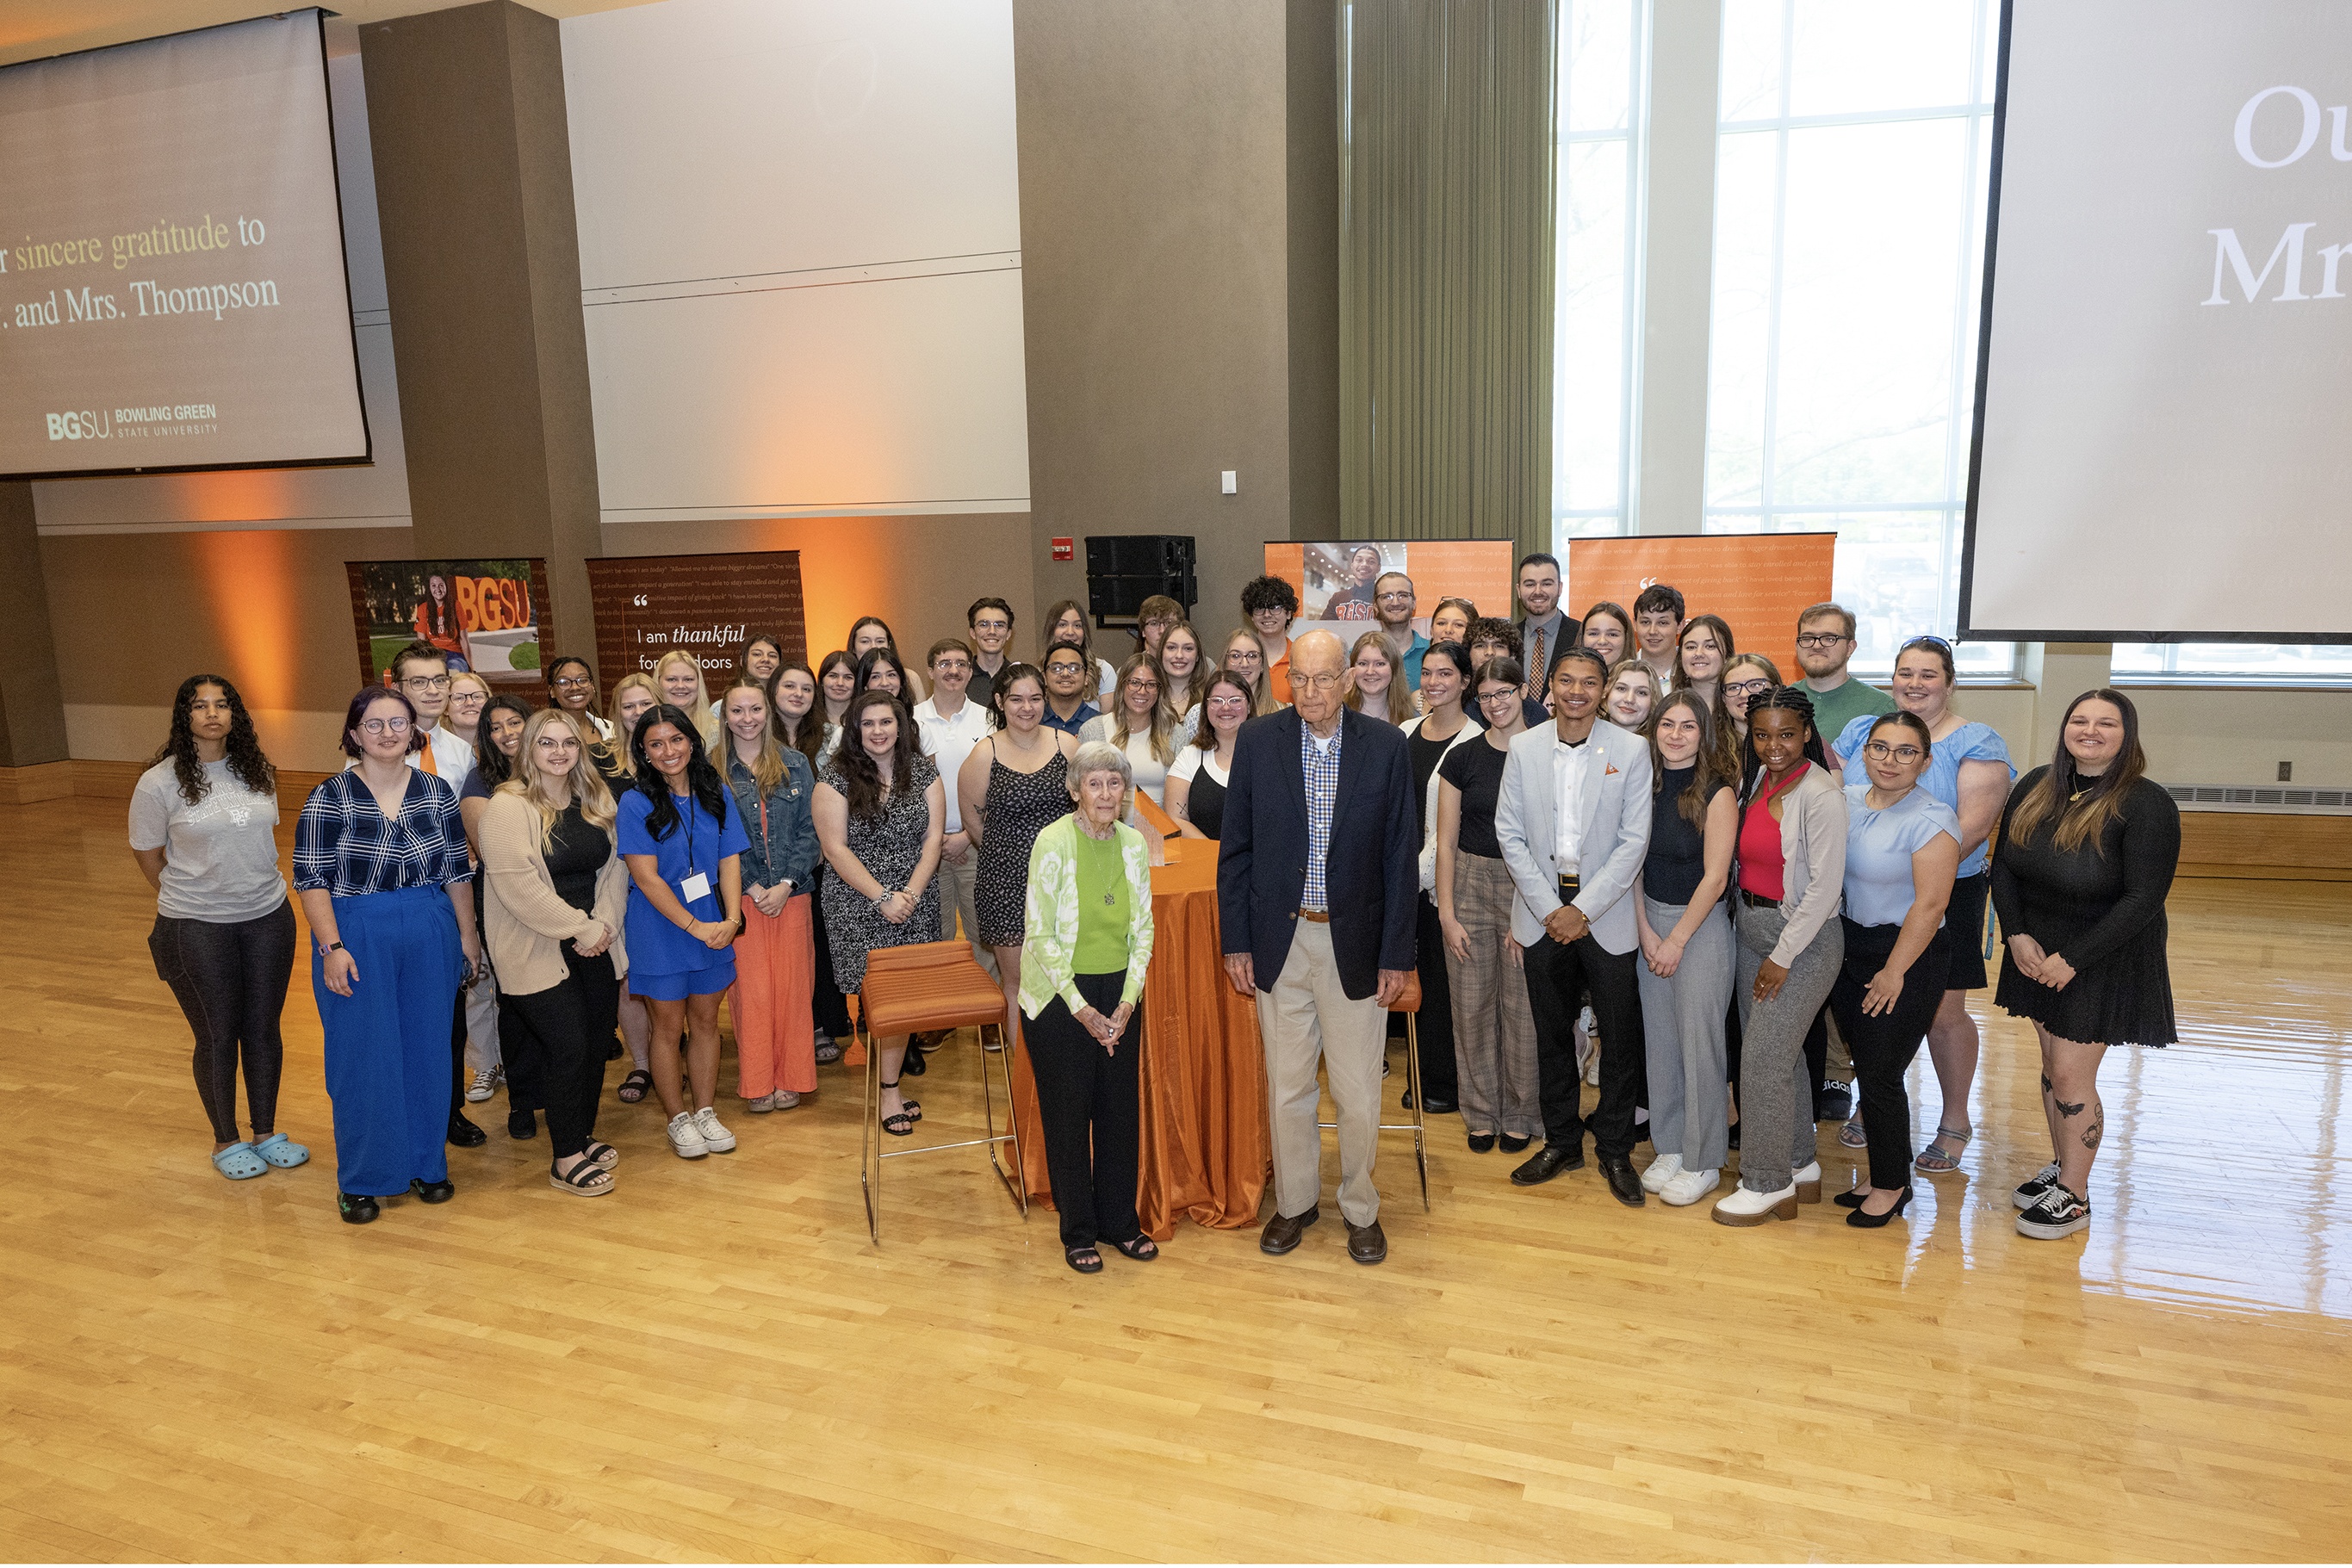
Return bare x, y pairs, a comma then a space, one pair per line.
2101, 908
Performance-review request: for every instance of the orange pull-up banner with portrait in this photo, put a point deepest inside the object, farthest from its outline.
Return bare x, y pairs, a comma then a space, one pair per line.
1757, 582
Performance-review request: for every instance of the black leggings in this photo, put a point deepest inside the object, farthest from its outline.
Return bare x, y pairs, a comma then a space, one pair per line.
1884, 1045
829, 1008
553, 1043
231, 981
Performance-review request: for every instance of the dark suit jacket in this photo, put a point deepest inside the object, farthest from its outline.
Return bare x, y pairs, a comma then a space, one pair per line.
1372, 873
1571, 629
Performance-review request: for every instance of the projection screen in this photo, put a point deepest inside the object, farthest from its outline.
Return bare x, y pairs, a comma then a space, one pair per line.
171, 286
2165, 383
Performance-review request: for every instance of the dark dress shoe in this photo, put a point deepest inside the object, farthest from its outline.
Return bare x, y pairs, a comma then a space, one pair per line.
1436, 1107
1734, 1138
1283, 1231
1367, 1244
523, 1124
612, 1049
1407, 1101
1624, 1181
1641, 1132
1513, 1144
1861, 1220
914, 1063
358, 1207
1480, 1143
1849, 1199
432, 1191
1547, 1163
463, 1133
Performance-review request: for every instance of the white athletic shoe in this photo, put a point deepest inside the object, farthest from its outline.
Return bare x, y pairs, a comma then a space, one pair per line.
1809, 1183
715, 1138
1689, 1186
1663, 1169
685, 1138
484, 1083
1747, 1207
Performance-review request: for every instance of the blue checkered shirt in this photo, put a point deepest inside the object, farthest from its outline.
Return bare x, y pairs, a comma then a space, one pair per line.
345, 843
1322, 769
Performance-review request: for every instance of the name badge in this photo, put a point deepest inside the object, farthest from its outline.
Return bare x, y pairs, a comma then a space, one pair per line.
696, 886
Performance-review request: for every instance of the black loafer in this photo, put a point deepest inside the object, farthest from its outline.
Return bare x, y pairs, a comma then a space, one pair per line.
1513, 1144
432, 1191
523, 1124
612, 1049
465, 1135
1480, 1143
1547, 1163
1407, 1101
357, 1208
1624, 1181
914, 1063
1437, 1107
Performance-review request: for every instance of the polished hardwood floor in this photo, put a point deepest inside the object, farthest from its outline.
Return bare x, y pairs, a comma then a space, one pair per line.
715, 1364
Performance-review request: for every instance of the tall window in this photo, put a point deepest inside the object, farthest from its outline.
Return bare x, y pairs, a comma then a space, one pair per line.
1852, 150
1602, 67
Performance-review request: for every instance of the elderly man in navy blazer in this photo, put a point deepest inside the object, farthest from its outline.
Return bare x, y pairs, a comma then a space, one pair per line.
1573, 820
1316, 881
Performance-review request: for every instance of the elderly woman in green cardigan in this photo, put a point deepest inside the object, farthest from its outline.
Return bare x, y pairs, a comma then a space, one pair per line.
1087, 943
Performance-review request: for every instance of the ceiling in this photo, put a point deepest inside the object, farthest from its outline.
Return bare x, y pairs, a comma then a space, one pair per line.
34, 29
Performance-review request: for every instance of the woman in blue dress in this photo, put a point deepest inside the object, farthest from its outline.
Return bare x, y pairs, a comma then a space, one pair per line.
1969, 770
380, 863
681, 837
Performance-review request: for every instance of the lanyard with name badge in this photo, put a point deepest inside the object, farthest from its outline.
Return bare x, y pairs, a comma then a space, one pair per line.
696, 884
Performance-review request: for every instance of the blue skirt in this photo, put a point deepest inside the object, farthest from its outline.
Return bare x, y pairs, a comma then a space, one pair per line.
388, 1041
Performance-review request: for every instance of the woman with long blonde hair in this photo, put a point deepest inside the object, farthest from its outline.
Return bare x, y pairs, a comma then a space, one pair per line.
775, 958
1139, 724
554, 893
1372, 693
678, 680
634, 697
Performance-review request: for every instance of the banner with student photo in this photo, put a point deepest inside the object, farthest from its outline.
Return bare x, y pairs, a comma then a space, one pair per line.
1335, 580
485, 616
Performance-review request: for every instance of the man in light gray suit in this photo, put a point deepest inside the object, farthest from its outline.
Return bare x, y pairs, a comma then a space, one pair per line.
1573, 819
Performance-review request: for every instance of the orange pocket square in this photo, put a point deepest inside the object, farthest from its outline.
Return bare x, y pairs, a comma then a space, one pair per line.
1612, 769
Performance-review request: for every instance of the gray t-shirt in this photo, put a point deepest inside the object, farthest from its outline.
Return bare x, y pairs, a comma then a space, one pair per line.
220, 855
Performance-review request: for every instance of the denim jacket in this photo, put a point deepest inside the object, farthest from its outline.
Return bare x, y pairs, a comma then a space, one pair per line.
786, 852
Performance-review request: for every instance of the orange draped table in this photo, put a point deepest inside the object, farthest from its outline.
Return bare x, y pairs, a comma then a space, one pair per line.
1205, 1152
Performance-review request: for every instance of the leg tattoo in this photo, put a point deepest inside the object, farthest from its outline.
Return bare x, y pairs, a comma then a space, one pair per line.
2073, 1109
2045, 1084
2091, 1135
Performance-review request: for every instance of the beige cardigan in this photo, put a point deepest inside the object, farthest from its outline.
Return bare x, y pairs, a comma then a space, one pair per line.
525, 921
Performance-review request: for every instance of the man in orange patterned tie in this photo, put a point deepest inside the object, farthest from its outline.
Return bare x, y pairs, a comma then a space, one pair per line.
1545, 633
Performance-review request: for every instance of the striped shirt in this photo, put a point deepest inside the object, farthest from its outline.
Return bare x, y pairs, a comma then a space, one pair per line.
344, 844
1322, 766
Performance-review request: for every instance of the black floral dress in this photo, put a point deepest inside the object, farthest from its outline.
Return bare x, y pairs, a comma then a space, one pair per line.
889, 849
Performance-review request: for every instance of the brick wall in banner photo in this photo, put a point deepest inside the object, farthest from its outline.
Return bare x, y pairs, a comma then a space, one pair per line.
1757, 582
702, 604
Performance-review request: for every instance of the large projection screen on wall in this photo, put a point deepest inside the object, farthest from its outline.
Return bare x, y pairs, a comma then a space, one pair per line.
2164, 415
172, 285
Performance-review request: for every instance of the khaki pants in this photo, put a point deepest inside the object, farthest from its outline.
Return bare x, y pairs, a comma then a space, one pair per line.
956, 884
1306, 1018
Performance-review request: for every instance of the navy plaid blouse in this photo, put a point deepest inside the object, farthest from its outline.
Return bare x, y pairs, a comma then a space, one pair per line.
344, 844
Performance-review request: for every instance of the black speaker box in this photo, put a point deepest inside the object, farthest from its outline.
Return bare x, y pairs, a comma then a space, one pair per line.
1125, 569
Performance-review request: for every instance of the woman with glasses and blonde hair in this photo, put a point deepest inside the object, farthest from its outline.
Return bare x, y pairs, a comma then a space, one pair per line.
775, 958
555, 901
1139, 726
468, 695
1969, 770
1376, 685
1246, 657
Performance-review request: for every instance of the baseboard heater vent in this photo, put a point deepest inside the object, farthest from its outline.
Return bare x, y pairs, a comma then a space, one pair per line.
2253, 798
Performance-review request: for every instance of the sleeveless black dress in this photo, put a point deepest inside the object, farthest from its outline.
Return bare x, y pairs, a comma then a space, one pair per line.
1020, 805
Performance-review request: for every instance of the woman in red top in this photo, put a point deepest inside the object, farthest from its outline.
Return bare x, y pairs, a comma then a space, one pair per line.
437, 621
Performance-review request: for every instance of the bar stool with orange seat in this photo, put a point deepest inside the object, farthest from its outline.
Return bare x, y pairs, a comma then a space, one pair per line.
931, 986
1408, 1002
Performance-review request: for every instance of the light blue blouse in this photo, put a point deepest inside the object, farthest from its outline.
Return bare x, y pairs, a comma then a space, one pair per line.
1972, 742
1878, 850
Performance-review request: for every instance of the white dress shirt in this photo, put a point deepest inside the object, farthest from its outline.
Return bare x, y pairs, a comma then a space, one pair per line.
1567, 770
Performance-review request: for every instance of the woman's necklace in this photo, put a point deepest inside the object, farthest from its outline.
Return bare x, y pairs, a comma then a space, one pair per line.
1029, 746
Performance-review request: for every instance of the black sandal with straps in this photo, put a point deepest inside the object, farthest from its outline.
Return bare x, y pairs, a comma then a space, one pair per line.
898, 1125
1142, 1248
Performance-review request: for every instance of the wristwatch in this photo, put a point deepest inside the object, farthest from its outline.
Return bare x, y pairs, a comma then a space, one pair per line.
330, 948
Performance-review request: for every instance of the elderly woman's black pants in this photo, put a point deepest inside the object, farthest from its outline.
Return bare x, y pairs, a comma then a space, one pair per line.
1088, 1098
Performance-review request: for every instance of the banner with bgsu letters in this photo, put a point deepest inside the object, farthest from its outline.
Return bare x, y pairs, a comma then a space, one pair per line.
705, 605
484, 616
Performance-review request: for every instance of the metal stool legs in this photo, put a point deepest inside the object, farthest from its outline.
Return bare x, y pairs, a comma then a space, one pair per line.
1417, 1126
871, 1154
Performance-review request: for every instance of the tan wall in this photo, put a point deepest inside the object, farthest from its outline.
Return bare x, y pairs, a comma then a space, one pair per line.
1157, 265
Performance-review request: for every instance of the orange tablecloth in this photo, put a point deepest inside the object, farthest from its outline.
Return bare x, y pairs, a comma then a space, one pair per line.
1205, 1152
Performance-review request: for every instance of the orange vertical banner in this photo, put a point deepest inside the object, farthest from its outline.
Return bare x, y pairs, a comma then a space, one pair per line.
1757, 582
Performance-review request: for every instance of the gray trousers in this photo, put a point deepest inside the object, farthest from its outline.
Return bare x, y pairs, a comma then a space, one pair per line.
482, 1026
1494, 1025
1307, 1017
1776, 1084
1682, 1039
956, 885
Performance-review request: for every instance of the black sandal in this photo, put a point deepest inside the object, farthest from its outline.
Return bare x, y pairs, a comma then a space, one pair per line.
1085, 1260
604, 1154
1142, 1248
633, 1088
898, 1125
586, 1179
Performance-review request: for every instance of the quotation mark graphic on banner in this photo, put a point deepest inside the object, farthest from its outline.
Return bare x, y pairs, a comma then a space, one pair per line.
639, 601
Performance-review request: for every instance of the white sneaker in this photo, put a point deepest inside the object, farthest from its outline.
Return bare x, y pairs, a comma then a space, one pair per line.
1663, 1169
484, 1083
685, 1137
1689, 1186
1747, 1207
715, 1138
1809, 1182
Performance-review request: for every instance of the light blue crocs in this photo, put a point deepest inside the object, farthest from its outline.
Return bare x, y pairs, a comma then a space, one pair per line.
239, 1163
282, 1152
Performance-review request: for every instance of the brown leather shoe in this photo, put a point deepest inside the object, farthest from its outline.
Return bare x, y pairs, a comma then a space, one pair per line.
1283, 1231
1366, 1244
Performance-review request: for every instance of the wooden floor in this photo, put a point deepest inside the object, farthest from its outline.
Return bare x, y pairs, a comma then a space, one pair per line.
714, 1362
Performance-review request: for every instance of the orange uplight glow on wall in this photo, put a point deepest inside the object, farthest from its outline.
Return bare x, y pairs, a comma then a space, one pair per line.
248, 579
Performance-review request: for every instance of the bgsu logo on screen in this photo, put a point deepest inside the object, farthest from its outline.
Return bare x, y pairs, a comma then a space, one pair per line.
81, 424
